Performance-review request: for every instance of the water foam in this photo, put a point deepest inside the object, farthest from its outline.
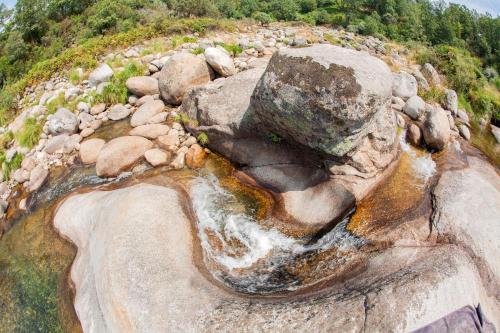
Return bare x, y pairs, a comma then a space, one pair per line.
269, 249
424, 166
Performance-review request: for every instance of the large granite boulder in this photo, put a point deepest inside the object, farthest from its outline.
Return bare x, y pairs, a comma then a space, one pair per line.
467, 211
120, 154
324, 97
182, 71
130, 281
224, 111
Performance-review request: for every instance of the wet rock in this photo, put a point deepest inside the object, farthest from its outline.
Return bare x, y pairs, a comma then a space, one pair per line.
118, 112
431, 74
146, 112
150, 131
195, 157
396, 278
181, 72
414, 107
325, 97
143, 85
467, 207
62, 122
37, 178
436, 129
464, 131
180, 159
220, 61
168, 142
414, 135
404, 85
100, 75
157, 157
90, 149
121, 154
451, 102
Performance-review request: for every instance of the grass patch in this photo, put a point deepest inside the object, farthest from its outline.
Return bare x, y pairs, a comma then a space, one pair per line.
433, 95
30, 134
233, 49
10, 166
197, 51
56, 103
180, 40
116, 91
203, 138
75, 77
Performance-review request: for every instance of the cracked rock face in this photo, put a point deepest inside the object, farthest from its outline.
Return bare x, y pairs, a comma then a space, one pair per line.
325, 97
467, 212
130, 278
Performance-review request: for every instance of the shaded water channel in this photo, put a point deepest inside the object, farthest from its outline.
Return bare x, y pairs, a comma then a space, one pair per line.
240, 249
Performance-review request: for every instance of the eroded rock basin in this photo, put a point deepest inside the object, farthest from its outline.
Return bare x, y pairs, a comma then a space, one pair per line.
149, 228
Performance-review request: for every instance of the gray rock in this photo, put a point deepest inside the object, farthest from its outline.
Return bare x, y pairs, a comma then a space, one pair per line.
37, 178
404, 85
464, 131
451, 101
436, 129
326, 98
97, 109
463, 116
414, 135
414, 107
102, 74
496, 132
431, 74
143, 85
61, 144
121, 154
181, 72
63, 122
83, 107
118, 112
421, 80
146, 112
220, 61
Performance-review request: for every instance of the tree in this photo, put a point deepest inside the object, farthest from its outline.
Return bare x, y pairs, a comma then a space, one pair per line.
31, 19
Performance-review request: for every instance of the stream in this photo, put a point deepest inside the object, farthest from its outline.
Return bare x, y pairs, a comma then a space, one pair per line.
241, 249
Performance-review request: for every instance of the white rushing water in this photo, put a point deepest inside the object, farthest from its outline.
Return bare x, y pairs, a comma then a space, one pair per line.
424, 166
214, 208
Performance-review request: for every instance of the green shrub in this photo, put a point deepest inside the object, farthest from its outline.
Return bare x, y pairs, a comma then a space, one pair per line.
233, 49
10, 166
197, 51
74, 76
30, 134
262, 18
203, 138
116, 91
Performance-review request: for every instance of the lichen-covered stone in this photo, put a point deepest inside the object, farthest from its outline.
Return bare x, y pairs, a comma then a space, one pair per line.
324, 97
